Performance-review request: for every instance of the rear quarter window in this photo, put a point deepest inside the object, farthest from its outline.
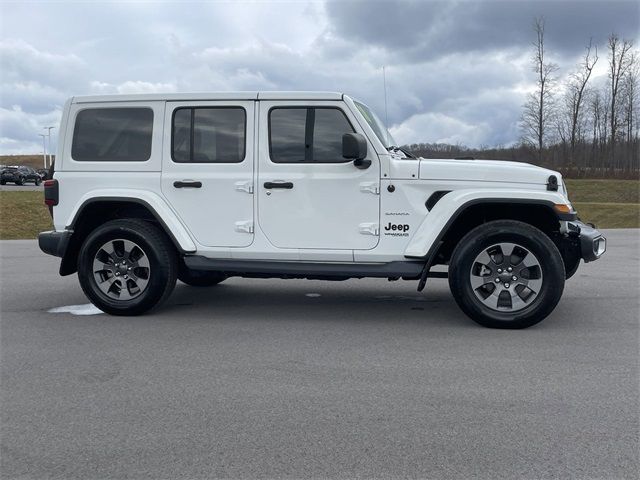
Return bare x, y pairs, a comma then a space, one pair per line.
122, 134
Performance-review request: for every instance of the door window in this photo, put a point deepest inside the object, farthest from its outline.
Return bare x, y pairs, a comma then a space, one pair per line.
209, 135
306, 134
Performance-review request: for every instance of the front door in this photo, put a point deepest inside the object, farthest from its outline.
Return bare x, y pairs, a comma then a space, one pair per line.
309, 196
207, 171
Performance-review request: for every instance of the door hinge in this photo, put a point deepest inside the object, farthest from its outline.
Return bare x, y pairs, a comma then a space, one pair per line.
370, 187
244, 186
244, 227
369, 229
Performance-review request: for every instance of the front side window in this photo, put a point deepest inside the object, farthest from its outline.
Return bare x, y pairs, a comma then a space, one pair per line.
112, 135
307, 134
209, 135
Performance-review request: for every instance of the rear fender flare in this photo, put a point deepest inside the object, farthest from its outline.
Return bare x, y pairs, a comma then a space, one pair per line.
158, 207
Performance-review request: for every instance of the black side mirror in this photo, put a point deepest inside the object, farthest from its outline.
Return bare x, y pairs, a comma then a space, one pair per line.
354, 146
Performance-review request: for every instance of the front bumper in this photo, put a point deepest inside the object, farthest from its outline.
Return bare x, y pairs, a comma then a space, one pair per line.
592, 243
54, 243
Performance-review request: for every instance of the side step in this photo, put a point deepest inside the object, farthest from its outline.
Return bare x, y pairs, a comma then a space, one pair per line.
409, 270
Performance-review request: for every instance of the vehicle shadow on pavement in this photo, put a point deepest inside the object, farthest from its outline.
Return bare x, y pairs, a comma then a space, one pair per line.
315, 300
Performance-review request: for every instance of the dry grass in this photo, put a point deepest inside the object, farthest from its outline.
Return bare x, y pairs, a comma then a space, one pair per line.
23, 215
607, 203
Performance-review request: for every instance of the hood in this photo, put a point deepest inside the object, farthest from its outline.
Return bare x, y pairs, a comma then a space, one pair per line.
484, 171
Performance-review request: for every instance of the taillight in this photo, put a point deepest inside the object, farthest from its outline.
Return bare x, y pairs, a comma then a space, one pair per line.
51, 194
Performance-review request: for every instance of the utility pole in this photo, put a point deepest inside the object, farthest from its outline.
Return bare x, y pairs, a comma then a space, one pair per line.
44, 149
50, 150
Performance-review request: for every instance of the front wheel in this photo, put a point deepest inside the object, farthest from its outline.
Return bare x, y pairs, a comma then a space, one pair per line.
506, 274
127, 267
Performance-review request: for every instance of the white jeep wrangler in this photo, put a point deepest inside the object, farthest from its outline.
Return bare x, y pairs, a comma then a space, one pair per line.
202, 187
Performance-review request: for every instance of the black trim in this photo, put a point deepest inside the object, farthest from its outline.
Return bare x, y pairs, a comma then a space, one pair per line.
183, 184
408, 269
166, 229
517, 201
54, 243
552, 183
192, 131
309, 149
435, 198
309, 128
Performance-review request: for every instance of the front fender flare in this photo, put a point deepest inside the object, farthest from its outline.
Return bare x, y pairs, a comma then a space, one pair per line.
445, 212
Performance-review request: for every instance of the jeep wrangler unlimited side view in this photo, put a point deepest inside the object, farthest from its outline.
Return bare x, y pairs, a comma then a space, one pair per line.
202, 187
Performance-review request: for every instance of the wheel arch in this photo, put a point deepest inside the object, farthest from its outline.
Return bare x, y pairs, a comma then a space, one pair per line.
439, 236
96, 210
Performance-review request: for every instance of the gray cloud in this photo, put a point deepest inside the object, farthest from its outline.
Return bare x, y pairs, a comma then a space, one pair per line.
457, 71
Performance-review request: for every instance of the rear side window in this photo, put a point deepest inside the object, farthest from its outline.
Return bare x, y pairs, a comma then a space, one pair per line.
209, 135
301, 134
113, 135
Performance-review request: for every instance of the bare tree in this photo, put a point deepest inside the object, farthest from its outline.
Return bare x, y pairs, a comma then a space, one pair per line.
537, 110
576, 89
620, 62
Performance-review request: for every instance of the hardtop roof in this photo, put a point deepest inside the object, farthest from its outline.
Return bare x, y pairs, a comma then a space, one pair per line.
205, 96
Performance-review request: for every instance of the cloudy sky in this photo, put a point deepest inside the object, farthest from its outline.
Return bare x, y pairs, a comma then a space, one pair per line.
457, 71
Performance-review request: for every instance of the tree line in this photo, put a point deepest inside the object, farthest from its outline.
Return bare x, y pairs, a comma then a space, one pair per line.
570, 124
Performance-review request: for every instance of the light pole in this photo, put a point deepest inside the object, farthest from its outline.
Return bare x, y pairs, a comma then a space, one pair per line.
44, 149
50, 150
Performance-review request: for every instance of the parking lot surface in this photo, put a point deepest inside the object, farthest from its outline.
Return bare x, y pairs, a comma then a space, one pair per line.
364, 378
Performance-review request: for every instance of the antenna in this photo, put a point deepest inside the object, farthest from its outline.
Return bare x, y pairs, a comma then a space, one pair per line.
386, 115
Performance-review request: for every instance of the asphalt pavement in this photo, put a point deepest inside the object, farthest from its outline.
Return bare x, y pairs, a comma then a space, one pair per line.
310, 379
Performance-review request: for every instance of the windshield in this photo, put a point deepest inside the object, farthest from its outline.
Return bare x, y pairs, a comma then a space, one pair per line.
376, 125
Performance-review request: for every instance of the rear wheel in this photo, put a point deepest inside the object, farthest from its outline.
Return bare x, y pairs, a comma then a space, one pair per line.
127, 267
506, 274
37, 182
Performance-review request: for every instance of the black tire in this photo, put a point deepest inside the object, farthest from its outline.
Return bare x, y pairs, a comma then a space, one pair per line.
19, 181
161, 256
2, 182
199, 278
524, 235
37, 182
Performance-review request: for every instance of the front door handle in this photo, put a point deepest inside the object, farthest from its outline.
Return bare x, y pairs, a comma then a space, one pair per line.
287, 185
187, 184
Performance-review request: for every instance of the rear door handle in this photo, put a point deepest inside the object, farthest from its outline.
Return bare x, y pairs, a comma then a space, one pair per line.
187, 184
287, 185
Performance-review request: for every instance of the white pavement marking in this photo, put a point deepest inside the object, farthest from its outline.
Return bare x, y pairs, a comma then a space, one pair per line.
87, 309
312, 295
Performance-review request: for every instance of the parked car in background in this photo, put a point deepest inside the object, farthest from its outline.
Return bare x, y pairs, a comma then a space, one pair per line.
19, 176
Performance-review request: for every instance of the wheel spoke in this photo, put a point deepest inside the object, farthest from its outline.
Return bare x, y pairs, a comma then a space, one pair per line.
121, 269
506, 277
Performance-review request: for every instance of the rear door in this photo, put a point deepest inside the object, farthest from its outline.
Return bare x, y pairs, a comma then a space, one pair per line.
309, 196
207, 171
